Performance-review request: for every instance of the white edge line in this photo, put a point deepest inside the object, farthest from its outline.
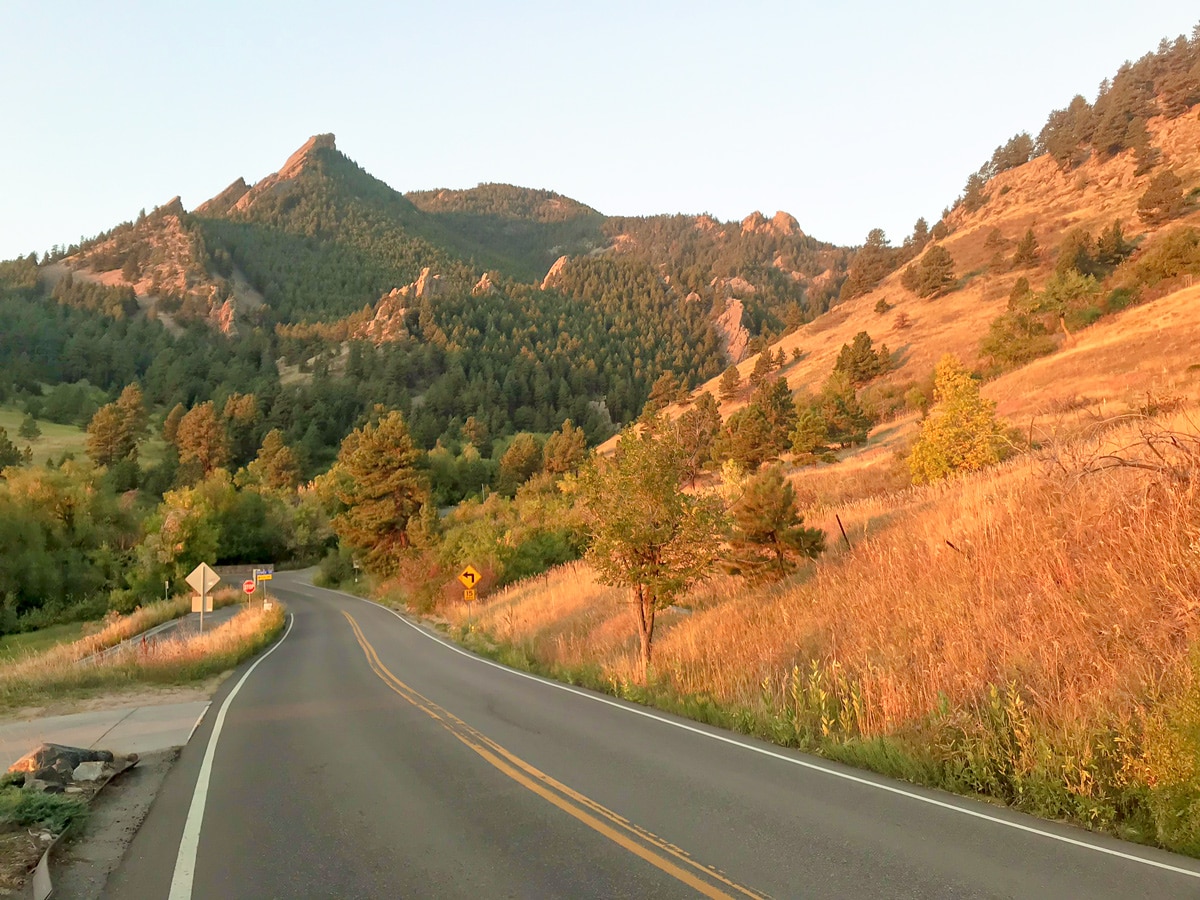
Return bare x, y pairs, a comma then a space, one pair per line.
846, 776
189, 842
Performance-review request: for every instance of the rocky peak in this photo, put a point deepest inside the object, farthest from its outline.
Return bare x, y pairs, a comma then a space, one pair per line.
784, 224
781, 224
754, 223
224, 200
295, 163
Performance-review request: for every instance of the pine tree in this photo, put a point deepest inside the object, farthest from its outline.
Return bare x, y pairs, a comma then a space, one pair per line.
810, 435
29, 429
769, 536
1027, 253
731, 384
696, 430
565, 450
962, 433
201, 440
170, 426
520, 462
276, 466
1163, 199
937, 272
10, 454
763, 366
859, 360
375, 488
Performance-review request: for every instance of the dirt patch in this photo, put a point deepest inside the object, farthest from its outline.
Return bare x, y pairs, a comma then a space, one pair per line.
82, 863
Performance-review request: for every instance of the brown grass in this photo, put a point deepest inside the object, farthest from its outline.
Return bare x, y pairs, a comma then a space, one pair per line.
1081, 589
59, 672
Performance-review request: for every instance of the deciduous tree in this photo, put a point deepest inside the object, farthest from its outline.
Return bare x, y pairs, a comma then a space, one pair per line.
962, 433
647, 534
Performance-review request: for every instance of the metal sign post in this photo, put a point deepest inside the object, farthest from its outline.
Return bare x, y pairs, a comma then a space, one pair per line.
469, 577
202, 580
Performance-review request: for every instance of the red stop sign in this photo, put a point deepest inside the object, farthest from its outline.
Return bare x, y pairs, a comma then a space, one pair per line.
248, 586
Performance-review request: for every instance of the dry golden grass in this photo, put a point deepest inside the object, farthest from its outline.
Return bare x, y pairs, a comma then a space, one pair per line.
1081, 589
63, 671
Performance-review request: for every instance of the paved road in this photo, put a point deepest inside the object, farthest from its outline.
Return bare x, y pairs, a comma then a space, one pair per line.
363, 758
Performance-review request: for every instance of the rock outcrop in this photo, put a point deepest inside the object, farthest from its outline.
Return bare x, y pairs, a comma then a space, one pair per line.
554, 276
428, 284
224, 201
781, 224
733, 334
484, 286
386, 323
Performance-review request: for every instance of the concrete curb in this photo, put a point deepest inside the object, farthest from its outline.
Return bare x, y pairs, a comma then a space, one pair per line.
41, 885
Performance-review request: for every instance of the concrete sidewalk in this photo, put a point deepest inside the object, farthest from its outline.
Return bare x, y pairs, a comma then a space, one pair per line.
133, 729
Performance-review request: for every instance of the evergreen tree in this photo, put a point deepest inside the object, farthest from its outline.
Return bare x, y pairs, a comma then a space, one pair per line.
1027, 253
29, 429
731, 383
201, 440
170, 426
275, 466
696, 430
936, 272
769, 536
763, 366
565, 450
521, 461
10, 454
810, 435
374, 489
1163, 199
961, 434
859, 360
847, 423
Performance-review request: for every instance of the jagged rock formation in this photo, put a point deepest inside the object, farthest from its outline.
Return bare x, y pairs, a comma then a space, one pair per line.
428, 284
734, 335
387, 322
781, 224
554, 276
224, 201
484, 286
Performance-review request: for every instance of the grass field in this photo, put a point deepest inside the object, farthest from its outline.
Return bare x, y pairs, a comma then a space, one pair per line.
54, 441
13, 646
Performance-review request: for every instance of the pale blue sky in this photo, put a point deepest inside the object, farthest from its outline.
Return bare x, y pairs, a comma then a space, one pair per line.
849, 115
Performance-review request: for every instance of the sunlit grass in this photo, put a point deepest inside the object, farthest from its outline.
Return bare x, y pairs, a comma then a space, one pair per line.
63, 670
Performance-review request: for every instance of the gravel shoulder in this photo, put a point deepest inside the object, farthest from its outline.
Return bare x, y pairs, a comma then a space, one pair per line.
82, 863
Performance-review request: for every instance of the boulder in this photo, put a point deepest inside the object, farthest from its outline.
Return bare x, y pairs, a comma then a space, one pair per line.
88, 771
554, 276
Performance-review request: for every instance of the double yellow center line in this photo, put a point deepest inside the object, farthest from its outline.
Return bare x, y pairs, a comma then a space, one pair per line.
653, 849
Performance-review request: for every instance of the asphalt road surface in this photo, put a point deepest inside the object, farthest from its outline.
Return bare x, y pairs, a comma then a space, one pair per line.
364, 758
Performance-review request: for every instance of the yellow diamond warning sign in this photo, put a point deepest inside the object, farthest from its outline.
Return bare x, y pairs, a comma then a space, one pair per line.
469, 576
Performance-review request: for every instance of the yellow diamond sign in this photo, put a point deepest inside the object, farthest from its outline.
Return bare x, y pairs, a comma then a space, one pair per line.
469, 576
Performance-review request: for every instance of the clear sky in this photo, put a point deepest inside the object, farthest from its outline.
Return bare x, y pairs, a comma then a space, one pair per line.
848, 115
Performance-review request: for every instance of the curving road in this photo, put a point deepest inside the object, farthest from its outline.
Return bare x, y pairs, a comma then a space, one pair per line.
364, 758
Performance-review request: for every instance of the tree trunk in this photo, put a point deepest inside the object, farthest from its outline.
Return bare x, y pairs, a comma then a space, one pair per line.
644, 604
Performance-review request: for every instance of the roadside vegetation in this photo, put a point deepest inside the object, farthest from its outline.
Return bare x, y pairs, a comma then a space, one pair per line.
1027, 633
64, 672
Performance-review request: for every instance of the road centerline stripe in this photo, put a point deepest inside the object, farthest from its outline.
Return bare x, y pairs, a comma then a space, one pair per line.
599, 818
189, 842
